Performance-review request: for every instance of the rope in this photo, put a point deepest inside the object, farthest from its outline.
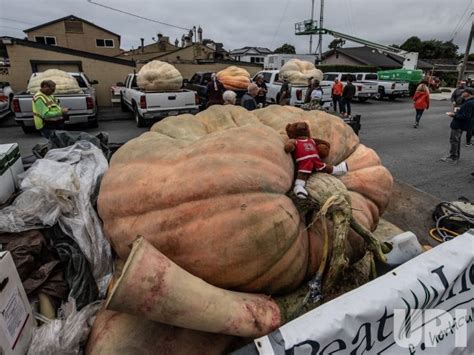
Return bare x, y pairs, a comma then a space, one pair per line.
442, 234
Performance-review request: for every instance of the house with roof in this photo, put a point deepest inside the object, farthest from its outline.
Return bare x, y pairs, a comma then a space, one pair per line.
250, 54
367, 56
76, 33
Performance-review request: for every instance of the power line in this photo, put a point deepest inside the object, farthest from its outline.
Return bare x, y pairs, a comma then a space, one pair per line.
456, 29
138, 16
12, 28
461, 28
279, 23
13, 20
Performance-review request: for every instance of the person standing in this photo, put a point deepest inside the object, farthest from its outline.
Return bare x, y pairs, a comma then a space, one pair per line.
215, 89
348, 94
261, 97
336, 94
309, 89
248, 100
47, 113
461, 122
421, 101
456, 97
285, 93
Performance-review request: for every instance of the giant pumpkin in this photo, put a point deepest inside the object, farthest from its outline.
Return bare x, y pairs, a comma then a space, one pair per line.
159, 76
210, 192
297, 72
65, 83
234, 78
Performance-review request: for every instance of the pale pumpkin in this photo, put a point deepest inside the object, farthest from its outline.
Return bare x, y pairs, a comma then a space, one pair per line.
159, 76
234, 78
65, 83
209, 192
297, 72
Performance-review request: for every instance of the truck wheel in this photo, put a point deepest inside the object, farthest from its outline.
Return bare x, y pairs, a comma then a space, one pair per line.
138, 118
94, 123
363, 99
381, 93
123, 106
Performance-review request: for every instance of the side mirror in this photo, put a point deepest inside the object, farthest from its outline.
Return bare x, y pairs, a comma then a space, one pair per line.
120, 84
185, 81
93, 82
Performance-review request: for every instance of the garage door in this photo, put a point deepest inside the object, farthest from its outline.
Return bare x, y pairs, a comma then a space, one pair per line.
65, 67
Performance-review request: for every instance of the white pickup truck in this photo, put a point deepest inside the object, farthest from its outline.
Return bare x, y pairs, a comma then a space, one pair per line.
364, 89
298, 92
6, 99
154, 105
82, 106
386, 88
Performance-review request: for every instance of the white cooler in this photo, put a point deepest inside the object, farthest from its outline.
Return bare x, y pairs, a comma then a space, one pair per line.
11, 166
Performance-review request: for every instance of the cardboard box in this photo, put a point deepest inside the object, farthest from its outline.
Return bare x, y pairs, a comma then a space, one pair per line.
16, 317
7, 184
11, 153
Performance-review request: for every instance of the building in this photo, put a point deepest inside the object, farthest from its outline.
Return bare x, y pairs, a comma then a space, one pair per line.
250, 54
144, 52
367, 56
76, 33
197, 57
27, 57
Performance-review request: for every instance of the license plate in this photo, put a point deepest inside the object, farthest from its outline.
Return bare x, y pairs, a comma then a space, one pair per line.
77, 119
173, 113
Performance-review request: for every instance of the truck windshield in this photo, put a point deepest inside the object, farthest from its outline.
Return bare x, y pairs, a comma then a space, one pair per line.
80, 81
330, 77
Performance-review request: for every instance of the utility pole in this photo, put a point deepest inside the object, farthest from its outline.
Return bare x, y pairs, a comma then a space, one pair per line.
320, 44
311, 36
466, 54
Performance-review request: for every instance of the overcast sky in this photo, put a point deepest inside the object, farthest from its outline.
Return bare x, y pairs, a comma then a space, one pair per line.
265, 23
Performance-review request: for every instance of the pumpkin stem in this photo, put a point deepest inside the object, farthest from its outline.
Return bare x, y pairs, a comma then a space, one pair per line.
373, 244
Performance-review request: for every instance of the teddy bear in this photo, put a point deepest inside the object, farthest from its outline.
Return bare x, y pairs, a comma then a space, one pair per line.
309, 154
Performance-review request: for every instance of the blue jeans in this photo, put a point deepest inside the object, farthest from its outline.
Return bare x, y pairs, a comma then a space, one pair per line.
46, 132
419, 113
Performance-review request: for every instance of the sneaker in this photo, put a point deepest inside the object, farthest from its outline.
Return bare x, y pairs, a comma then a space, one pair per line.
449, 160
415, 125
469, 144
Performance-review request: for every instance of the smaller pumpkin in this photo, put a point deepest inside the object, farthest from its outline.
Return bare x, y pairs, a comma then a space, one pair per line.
234, 78
65, 83
297, 72
159, 76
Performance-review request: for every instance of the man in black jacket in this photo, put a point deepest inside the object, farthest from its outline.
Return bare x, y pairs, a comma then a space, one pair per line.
461, 122
348, 94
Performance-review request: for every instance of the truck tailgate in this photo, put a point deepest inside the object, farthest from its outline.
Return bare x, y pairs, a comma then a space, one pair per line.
76, 103
170, 100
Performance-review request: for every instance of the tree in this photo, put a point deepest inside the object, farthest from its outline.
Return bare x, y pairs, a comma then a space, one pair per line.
336, 43
412, 44
470, 58
286, 49
431, 49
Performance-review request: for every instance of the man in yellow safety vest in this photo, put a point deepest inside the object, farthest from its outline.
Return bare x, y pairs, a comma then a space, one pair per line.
47, 113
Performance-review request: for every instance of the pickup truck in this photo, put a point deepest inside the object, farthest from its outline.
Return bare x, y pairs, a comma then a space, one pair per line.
198, 83
6, 99
82, 106
364, 89
148, 106
386, 88
298, 92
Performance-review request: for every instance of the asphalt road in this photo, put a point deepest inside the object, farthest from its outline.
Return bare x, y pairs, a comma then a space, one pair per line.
412, 155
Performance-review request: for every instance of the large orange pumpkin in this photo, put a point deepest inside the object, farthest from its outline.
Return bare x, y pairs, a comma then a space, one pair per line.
234, 78
209, 191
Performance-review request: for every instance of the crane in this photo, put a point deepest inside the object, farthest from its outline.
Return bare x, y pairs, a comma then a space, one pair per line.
310, 27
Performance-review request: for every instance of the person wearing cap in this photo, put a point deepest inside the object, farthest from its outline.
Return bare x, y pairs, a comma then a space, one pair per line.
48, 115
462, 120
248, 100
309, 90
261, 97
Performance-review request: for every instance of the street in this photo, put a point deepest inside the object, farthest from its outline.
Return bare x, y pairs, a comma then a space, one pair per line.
412, 155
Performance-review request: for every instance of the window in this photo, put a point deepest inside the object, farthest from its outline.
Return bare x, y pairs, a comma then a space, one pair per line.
194, 79
370, 77
267, 77
330, 77
49, 40
73, 26
359, 77
344, 77
107, 43
80, 81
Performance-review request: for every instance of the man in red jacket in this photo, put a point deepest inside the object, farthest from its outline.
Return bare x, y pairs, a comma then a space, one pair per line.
421, 101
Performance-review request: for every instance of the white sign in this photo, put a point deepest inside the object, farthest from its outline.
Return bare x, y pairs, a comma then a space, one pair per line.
425, 306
